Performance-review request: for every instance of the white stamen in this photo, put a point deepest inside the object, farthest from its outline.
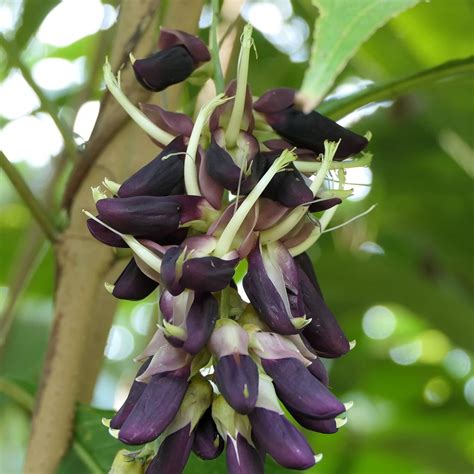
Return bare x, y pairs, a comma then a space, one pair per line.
362, 214
190, 166
113, 84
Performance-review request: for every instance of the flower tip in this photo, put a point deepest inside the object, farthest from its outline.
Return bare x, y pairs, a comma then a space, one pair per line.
171, 330
106, 422
97, 193
112, 186
368, 135
318, 458
301, 322
348, 405
109, 287
132, 58
352, 344
340, 422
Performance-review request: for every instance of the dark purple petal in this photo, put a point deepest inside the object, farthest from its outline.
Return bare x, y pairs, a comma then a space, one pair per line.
196, 47
104, 235
288, 186
324, 204
171, 122
208, 274
173, 453
222, 168
275, 100
156, 408
300, 391
161, 177
242, 458
140, 215
306, 130
237, 379
303, 261
279, 438
208, 444
265, 297
200, 322
318, 369
323, 332
133, 284
134, 394
320, 426
168, 270
163, 69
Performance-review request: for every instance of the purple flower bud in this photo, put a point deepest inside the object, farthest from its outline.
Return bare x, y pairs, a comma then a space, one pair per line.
241, 457
306, 130
300, 391
156, 407
279, 438
208, 444
237, 379
133, 284
134, 394
174, 123
149, 215
173, 453
324, 204
181, 54
272, 286
236, 373
304, 263
104, 235
197, 316
161, 177
323, 332
288, 187
222, 168
274, 433
221, 115
204, 274
320, 426
318, 369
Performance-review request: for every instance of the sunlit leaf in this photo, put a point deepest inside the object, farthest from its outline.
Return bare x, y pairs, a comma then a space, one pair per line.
343, 25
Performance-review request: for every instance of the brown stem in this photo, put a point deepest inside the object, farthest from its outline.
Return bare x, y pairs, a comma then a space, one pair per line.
118, 148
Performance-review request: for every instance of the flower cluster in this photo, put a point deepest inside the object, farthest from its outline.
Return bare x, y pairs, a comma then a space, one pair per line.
232, 193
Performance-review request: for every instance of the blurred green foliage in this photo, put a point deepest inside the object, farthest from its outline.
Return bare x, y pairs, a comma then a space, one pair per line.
411, 417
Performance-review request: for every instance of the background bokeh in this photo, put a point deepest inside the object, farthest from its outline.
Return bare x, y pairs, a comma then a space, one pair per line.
399, 280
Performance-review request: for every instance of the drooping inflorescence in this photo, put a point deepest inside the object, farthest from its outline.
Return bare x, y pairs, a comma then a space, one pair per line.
223, 193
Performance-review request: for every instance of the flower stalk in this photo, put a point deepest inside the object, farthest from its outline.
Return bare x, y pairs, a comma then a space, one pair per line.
233, 128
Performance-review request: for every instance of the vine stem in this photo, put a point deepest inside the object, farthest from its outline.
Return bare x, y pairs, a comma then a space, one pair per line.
23, 398
337, 109
47, 104
37, 210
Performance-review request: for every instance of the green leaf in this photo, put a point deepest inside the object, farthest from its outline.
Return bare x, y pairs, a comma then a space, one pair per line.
343, 25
